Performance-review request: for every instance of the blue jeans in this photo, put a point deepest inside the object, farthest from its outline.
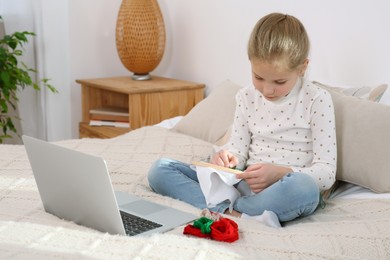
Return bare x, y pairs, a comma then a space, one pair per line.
295, 195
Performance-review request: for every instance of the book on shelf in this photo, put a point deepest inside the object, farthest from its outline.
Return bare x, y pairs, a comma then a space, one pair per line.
109, 114
109, 123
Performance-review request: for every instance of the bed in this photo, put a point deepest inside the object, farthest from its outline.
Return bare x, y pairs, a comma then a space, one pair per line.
355, 224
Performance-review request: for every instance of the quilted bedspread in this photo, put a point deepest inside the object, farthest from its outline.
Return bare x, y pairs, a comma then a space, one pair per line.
344, 229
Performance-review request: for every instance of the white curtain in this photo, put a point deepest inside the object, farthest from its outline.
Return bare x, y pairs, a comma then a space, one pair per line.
25, 15
41, 69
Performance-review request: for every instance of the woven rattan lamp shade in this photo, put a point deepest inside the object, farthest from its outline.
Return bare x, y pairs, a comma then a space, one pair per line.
140, 36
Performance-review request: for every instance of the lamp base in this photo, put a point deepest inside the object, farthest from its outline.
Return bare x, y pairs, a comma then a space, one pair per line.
141, 76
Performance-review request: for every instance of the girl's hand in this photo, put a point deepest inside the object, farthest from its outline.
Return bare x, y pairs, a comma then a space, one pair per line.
260, 176
224, 158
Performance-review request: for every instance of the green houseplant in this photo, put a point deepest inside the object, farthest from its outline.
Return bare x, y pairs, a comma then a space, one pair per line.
14, 77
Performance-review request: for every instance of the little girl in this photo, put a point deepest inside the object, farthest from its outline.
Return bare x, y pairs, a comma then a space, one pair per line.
283, 134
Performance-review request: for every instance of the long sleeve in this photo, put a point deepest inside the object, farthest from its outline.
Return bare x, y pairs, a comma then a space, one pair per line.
240, 137
322, 125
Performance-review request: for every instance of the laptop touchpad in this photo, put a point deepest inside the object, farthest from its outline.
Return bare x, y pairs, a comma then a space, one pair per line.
142, 207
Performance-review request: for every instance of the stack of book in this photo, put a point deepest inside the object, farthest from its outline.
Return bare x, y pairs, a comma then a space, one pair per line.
109, 116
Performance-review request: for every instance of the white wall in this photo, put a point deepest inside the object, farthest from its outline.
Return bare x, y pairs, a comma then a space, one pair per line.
92, 47
206, 42
349, 38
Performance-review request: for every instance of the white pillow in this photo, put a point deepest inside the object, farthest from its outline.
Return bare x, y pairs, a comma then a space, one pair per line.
373, 93
385, 98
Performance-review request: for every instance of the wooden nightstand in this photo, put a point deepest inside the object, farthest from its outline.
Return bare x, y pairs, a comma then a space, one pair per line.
147, 102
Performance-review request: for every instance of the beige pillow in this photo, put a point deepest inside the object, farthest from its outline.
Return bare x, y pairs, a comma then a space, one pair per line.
211, 118
363, 142
370, 93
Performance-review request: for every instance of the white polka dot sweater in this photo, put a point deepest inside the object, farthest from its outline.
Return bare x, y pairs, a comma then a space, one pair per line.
297, 131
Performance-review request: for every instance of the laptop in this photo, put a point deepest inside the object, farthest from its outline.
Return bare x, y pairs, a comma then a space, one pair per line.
77, 187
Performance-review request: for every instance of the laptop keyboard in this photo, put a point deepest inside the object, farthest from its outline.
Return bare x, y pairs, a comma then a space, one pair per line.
135, 225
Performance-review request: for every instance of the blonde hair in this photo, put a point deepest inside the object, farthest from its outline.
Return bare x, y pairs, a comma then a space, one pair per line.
279, 39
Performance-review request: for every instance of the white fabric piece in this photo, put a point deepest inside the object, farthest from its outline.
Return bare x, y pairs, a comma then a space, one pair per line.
268, 218
217, 186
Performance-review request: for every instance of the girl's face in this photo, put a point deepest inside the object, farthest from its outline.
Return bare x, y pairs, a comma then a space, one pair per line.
272, 81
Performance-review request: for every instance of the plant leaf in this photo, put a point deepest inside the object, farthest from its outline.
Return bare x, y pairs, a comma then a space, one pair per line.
21, 36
